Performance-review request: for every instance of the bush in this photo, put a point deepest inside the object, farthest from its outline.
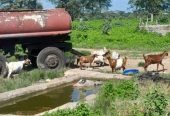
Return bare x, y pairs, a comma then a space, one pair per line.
19, 50
163, 19
106, 27
136, 111
121, 89
83, 27
67, 112
126, 89
141, 64
80, 110
155, 104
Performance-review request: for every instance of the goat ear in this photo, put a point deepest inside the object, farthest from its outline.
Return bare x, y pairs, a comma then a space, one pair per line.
25, 57
119, 56
105, 48
107, 51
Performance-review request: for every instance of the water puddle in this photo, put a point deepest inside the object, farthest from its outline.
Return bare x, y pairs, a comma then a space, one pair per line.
47, 100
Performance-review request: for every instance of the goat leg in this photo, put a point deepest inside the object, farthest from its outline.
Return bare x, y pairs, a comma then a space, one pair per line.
91, 64
81, 64
9, 74
123, 67
162, 66
145, 66
157, 66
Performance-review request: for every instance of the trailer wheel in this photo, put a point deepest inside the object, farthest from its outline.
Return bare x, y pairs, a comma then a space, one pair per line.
3, 68
51, 58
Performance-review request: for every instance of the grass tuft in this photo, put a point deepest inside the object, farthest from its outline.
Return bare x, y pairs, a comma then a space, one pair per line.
25, 79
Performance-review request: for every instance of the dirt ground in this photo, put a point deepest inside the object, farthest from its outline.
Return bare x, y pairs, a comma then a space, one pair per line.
133, 63
134, 58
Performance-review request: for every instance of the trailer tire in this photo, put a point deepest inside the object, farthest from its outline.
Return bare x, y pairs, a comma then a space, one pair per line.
3, 67
51, 58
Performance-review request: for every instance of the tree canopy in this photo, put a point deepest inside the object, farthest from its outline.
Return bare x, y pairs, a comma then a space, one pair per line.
79, 7
148, 6
19, 4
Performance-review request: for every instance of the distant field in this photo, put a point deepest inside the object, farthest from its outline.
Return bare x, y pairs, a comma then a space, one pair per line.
123, 35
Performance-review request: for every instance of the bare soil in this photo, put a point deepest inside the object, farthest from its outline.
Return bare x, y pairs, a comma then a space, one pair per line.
134, 58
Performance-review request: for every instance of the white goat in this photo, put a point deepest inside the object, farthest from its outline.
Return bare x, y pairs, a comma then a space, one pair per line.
119, 63
115, 55
16, 67
99, 59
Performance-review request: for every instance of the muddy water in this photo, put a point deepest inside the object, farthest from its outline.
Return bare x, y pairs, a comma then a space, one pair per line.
47, 100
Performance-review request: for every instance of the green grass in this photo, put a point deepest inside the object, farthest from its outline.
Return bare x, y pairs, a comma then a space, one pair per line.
124, 35
141, 64
25, 79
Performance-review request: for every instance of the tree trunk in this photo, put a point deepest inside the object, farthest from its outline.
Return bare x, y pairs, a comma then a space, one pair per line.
151, 17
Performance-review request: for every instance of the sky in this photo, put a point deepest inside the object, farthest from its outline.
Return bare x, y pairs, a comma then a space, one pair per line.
121, 5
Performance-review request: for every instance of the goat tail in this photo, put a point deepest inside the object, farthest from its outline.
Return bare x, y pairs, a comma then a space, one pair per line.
124, 60
144, 56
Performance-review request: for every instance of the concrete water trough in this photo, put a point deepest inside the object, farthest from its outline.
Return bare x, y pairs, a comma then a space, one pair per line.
21, 100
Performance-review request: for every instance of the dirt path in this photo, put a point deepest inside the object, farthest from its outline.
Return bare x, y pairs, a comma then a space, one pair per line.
134, 58
133, 63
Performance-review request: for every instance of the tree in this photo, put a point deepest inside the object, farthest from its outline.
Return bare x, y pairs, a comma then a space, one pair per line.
19, 4
166, 5
79, 7
152, 7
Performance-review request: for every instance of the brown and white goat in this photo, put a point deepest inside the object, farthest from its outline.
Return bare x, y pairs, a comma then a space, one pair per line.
154, 59
116, 64
86, 59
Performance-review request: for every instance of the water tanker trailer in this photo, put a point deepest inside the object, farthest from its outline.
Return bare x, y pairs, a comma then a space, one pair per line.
44, 33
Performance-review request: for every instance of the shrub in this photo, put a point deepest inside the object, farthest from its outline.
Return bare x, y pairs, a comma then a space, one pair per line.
136, 110
80, 110
19, 50
126, 89
83, 27
106, 27
67, 112
121, 89
163, 19
155, 104
141, 64
109, 91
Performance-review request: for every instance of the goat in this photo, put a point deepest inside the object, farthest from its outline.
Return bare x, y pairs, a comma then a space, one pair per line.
86, 59
15, 67
154, 59
116, 64
99, 59
100, 52
115, 55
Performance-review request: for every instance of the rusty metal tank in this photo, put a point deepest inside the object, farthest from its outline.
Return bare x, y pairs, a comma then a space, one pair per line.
34, 23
